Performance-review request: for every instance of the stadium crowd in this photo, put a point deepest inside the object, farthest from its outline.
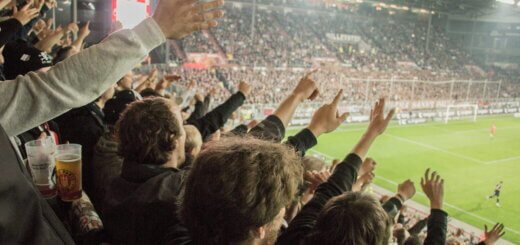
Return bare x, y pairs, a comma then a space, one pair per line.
387, 47
157, 163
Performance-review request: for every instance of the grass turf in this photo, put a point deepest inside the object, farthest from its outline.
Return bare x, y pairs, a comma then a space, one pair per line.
461, 151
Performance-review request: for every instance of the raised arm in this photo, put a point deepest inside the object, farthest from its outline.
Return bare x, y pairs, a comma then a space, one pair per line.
216, 118
273, 127
40, 96
433, 186
378, 124
82, 35
198, 110
306, 89
341, 180
492, 236
10, 27
325, 120
405, 191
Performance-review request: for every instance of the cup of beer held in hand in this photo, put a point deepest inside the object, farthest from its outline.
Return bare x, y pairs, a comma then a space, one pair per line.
41, 164
68, 171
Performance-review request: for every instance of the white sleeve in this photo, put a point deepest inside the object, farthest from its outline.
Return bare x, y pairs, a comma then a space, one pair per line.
38, 97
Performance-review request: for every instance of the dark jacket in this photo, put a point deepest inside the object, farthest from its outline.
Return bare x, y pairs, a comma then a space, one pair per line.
8, 30
84, 126
25, 217
216, 118
140, 205
339, 182
106, 166
437, 227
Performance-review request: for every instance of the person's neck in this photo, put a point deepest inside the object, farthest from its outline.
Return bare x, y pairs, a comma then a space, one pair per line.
100, 103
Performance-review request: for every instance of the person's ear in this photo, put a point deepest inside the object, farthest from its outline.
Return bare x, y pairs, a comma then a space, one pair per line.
259, 233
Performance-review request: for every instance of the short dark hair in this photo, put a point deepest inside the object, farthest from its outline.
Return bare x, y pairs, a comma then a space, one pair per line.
413, 240
353, 218
147, 131
400, 235
150, 92
236, 185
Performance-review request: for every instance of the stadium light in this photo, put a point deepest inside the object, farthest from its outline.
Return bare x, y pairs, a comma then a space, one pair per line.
130, 12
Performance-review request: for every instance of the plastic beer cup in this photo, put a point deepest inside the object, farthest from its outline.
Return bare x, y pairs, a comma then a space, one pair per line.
68, 171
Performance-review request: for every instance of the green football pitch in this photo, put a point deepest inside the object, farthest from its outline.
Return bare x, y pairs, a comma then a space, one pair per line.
461, 151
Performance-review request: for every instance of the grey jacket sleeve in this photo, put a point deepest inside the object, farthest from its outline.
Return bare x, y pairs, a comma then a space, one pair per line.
40, 96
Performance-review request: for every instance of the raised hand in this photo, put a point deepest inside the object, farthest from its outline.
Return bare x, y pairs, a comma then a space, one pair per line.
316, 178
152, 76
492, 236
368, 166
50, 40
406, 190
84, 31
199, 98
72, 27
167, 82
433, 187
327, 119
49, 23
4, 3
244, 88
378, 121
179, 18
39, 25
307, 88
363, 181
67, 41
38, 4
26, 13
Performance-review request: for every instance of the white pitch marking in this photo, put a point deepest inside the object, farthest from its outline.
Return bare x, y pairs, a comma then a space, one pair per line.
503, 160
436, 148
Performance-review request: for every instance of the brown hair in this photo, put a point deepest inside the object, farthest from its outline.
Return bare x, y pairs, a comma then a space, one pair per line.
147, 131
351, 219
237, 185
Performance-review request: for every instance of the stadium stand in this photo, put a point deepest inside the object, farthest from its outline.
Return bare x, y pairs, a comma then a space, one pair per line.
196, 151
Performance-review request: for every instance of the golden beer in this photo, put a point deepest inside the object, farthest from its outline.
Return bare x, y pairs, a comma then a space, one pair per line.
68, 172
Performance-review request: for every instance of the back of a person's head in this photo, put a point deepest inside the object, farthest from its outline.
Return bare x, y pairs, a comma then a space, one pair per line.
413, 240
353, 218
236, 186
312, 163
115, 106
147, 131
193, 140
150, 93
400, 235
63, 53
